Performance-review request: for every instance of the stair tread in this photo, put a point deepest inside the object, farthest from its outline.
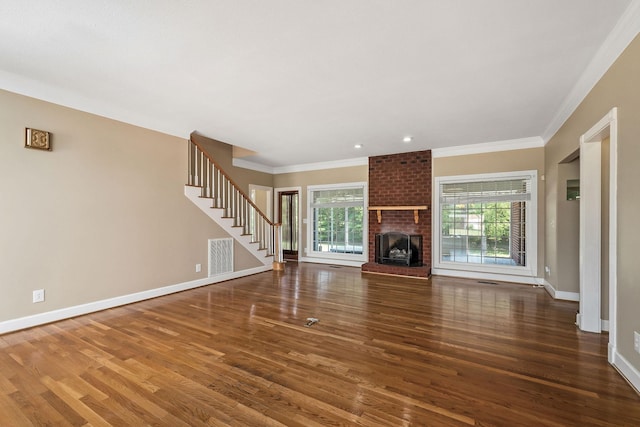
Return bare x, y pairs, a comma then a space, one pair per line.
243, 236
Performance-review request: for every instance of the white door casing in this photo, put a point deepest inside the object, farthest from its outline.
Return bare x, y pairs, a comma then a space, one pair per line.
590, 207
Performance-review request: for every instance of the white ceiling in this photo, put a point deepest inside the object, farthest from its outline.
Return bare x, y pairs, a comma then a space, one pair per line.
302, 81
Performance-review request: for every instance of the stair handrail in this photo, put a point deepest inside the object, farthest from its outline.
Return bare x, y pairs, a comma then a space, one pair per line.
201, 167
233, 183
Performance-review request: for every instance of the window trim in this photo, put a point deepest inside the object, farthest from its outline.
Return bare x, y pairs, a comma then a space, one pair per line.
531, 267
310, 253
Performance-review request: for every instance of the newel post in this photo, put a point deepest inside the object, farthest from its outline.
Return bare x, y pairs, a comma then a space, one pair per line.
278, 258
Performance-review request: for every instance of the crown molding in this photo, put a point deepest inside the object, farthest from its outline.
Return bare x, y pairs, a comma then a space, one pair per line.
460, 150
488, 147
275, 170
623, 33
259, 167
345, 163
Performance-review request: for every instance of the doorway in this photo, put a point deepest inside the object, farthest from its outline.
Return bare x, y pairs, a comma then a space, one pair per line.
592, 214
288, 208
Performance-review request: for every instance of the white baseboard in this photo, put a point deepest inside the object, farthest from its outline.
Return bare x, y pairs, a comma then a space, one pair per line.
485, 276
78, 310
627, 370
569, 296
345, 263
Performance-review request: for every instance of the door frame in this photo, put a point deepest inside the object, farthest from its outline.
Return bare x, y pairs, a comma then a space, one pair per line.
590, 220
276, 213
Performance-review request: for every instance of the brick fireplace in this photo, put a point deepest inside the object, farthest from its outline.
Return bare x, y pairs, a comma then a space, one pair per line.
397, 184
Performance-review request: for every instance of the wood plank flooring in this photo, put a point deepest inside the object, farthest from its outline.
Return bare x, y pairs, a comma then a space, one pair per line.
386, 352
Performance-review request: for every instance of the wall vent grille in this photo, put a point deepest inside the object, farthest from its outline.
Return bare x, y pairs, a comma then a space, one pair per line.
220, 256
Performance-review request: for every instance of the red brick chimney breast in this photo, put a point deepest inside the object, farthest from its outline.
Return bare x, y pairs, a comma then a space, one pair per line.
400, 180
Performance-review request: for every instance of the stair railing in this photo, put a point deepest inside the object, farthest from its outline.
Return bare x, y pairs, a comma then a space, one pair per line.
225, 194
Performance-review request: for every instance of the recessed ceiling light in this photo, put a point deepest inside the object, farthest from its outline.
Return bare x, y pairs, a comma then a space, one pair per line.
407, 139
357, 146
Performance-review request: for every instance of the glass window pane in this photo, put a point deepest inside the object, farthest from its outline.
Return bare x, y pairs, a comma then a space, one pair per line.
338, 220
476, 221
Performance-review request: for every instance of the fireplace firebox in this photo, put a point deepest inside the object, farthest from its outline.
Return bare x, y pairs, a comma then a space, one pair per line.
399, 249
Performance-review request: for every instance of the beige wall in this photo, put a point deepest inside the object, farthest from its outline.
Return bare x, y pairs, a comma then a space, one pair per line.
503, 161
262, 199
568, 229
618, 88
102, 215
319, 177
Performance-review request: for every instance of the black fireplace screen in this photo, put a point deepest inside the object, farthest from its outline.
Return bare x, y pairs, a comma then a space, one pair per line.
399, 249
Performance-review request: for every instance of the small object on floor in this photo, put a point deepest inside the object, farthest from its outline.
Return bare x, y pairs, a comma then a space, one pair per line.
311, 321
538, 286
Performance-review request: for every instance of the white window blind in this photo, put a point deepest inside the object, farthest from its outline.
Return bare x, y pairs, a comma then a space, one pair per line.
337, 198
511, 190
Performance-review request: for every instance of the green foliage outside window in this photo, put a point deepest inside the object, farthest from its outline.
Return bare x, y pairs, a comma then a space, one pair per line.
486, 225
338, 217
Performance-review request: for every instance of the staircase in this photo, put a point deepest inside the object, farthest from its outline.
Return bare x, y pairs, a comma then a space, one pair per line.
215, 193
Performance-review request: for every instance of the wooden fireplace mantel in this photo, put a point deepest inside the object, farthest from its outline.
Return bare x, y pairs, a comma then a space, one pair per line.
415, 210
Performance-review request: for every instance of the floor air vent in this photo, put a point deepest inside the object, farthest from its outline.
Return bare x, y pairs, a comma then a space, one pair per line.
220, 256
487, 282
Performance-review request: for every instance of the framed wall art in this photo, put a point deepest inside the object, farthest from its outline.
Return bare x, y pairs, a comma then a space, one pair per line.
38, 139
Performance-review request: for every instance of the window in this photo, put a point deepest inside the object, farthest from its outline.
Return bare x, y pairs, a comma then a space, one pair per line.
337, 220
484, 222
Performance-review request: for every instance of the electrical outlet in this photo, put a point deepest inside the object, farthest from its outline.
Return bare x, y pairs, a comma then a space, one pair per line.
38, 295
547, 269
198, 268
636, 341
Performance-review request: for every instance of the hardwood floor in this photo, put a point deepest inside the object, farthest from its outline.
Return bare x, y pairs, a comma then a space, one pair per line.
386, 352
